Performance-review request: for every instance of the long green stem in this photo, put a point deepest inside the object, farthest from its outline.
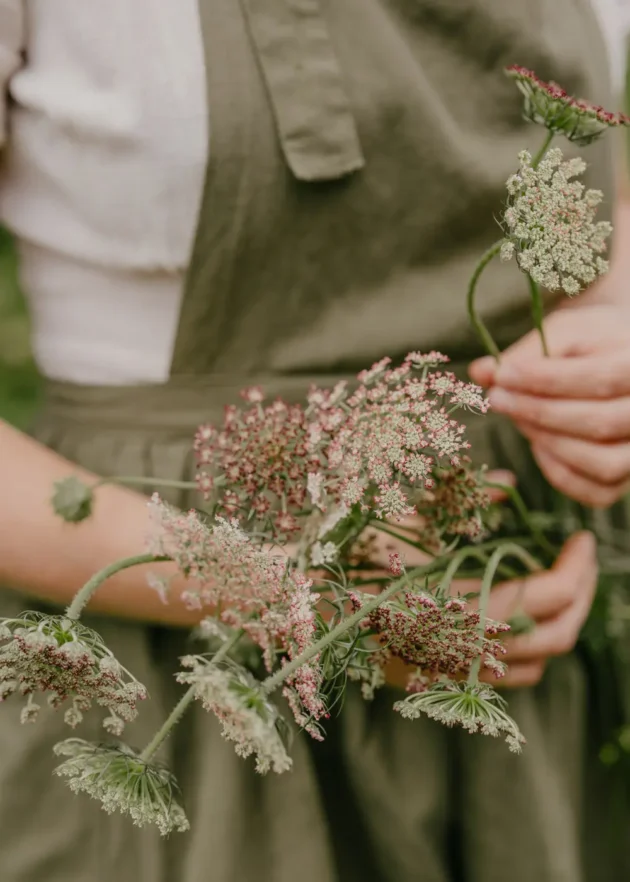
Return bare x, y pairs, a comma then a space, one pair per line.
475, 319
538, 313
131, 481
180, 708
84, 594
545, 146
272, 682
484, 595
517, 501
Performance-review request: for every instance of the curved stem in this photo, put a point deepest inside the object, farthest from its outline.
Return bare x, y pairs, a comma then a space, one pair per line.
180, 708
482, 332
484, 595
84, 594
130, 481
538, 313
453, 567
274, 680
545, 146
517, 501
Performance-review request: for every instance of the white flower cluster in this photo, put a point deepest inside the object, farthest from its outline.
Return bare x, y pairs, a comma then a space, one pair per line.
549, 224
68, 663
247, 717
474, 707
123, 782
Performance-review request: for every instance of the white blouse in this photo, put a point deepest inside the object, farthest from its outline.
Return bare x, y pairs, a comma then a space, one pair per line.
106, 148
106, 135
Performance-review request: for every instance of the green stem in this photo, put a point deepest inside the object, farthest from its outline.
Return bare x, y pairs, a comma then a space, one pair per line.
475, 319
82, 596
454, 565
180, 708
546, 144
272, 682
484, 594
517, 501
538, 313
147, 482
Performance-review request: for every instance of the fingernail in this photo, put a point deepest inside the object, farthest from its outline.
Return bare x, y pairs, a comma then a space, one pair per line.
501, 400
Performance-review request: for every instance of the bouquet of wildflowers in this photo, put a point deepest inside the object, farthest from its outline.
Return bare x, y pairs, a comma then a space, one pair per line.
278, 559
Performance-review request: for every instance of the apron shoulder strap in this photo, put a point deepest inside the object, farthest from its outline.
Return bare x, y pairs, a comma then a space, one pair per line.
304, 82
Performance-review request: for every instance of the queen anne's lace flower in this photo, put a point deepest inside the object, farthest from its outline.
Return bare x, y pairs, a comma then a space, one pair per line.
549, 105
68, 662
373, 444
439, 636
123, 782
549, 224
475, 707
247, 716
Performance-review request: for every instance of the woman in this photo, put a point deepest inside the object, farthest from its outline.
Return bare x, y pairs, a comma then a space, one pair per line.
354, 154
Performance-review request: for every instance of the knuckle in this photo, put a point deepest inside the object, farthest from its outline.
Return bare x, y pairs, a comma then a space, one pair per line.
603, 429
612, 469
610, 383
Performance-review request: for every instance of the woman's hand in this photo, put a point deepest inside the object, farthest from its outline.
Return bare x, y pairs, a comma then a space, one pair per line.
574, 406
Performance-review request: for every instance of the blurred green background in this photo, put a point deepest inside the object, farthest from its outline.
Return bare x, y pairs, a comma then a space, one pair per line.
18, 378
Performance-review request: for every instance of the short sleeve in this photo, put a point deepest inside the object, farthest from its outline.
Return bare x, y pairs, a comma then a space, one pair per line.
11, 50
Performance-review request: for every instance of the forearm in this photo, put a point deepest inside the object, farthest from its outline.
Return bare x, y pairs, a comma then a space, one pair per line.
50, 560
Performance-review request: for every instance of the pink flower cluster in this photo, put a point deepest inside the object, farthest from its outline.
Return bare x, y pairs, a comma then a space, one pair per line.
67, 662
375, 445
249, 588
260, 454
549, 105
438, 636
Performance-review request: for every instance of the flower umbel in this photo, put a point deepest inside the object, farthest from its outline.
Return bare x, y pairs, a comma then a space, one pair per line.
476, 707
247, 716
69, 662
438, 635
549, 105
550, 224
123, 782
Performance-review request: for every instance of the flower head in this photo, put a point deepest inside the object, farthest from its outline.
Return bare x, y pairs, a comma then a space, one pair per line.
123, 782
69, 662
260, 455
549, 105
550, 224
437, 635
247, 716
72, 499
475, 707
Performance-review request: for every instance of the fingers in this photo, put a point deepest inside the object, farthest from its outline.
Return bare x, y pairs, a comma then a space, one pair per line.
599, 376
578, 487
602, 421
517, 675
499, 476
607, 464
555, 636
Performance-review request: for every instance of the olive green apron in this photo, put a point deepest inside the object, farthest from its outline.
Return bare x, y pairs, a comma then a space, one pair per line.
358, 155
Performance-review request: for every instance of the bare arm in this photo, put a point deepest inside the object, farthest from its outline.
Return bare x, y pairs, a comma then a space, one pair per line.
49, 559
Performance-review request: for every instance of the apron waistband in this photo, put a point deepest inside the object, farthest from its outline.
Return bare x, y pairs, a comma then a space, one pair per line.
182, 403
